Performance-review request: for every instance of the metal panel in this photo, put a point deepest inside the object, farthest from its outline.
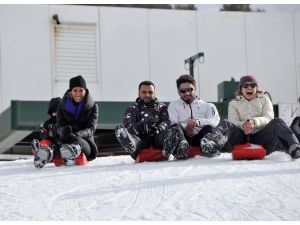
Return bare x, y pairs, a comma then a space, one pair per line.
124, 52
172, 39
221, 36
297, 49
75, 51
75, 47
271, 53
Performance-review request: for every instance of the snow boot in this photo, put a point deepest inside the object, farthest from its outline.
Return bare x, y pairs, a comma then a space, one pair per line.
125, 139
171, 142
69, 153
42, 156
35, 145
182, 150
209, 148
295, 154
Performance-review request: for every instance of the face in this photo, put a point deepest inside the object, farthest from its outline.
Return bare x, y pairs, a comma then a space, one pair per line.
147, 93
78, 94
249, 90
187, 92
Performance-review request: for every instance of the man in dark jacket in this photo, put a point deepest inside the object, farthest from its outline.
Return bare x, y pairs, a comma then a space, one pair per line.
77, 118
146, 123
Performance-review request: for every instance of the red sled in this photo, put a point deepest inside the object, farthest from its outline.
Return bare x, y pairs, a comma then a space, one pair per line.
45, 143
154, 154
80, 160
248, 151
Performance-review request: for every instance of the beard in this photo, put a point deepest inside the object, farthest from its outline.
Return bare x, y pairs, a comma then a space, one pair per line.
188, 100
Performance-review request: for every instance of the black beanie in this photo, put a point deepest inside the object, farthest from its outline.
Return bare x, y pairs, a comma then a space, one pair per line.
77, 82
53, 105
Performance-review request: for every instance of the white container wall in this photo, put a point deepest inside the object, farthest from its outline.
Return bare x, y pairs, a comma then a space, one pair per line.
117, 48
25, 53
172, 37
222, 38
271, 53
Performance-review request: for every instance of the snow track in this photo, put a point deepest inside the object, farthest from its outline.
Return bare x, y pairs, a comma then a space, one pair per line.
115, 188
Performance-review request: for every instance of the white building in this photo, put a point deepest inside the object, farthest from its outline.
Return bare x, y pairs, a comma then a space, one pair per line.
116, 48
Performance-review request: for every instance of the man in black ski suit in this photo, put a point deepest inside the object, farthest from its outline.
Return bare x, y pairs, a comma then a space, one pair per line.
146, 123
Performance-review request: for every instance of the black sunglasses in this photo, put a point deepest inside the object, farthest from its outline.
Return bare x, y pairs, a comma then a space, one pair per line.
184, 90
249, 85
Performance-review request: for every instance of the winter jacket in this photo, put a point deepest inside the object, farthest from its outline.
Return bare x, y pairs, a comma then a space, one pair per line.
259, 109
86, 123
205, 113
145, 120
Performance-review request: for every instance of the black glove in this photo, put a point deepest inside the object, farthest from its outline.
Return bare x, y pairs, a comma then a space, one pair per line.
43, 134
66, 131
141, 128
148, 119
152, 130
161, 128
52, 130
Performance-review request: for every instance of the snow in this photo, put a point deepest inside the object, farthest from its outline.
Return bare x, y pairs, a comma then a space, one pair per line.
116, 188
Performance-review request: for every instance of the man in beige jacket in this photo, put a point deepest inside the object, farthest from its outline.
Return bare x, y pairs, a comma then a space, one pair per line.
250, 116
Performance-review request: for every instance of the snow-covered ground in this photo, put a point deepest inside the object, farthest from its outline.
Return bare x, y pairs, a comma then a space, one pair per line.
115, 188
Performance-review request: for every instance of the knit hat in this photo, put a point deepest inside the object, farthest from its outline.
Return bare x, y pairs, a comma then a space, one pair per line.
77, 82
53, 105
247, 79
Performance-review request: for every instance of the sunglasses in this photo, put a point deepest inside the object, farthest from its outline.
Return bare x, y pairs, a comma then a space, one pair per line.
249, 85
185, 90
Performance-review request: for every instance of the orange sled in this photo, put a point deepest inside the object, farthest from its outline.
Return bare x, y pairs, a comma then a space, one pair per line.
154, 154
248, 151
80, 160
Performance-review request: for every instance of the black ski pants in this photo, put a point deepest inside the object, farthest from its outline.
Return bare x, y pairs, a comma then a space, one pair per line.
269, 136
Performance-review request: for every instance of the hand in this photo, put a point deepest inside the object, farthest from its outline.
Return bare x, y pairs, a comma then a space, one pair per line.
66, 131
148, 119
51, 130
189, 132
161, 128
43, 133
248, 126
153, 130
191, 124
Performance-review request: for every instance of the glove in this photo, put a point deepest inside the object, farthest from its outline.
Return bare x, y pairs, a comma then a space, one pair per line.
52, 130
153, 130
141, 128
43, 134
66, 131
161, 128
148, 119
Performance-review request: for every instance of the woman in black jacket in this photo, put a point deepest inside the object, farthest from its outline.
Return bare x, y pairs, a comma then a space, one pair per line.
77, 118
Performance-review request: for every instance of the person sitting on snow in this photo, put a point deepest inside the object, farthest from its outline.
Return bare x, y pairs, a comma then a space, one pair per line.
146, 123
193, 116
77, 118
250, 115
45, 153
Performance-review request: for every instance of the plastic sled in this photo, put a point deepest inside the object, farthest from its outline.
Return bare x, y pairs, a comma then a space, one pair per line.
248, 151
80, 160
45, 142
154, 154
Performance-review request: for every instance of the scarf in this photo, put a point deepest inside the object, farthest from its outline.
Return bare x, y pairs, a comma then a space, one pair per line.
74, 108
